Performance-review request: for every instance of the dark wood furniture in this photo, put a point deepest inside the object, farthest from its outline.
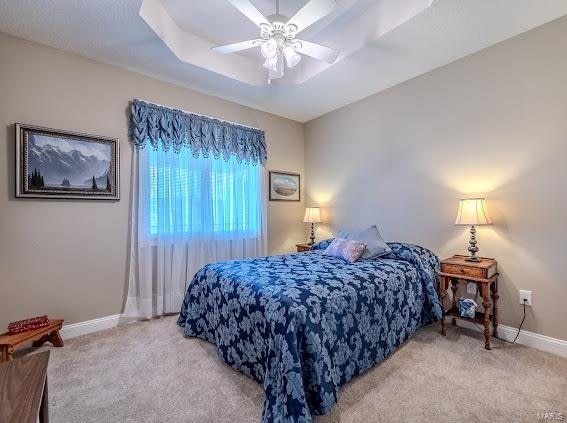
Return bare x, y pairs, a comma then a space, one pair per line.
455, 270
9, 343
23, 389
303, 247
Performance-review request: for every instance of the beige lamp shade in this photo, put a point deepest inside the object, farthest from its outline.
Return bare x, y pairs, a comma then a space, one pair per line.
312, 215
472, 211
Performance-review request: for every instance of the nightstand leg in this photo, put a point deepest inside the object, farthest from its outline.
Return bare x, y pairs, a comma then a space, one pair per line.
486, 305
454, 288
442, 295
495, 297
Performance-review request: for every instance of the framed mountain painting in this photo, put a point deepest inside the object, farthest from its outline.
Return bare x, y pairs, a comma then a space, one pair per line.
61, 164
284, 186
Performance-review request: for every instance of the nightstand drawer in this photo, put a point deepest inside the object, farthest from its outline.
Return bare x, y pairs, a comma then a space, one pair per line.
456, 269
458, 265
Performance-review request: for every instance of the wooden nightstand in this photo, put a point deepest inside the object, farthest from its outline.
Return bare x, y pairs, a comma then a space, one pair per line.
457, 270
303, 247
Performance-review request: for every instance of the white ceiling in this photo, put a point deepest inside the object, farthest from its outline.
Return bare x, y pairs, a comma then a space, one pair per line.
112, 31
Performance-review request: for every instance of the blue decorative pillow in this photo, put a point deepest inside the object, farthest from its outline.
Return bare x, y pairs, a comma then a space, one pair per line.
375, 245
322, 245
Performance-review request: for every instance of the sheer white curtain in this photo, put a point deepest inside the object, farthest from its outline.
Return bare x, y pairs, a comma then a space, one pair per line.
187, 212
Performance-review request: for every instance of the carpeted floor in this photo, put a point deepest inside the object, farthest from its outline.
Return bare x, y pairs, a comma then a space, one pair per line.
148, 372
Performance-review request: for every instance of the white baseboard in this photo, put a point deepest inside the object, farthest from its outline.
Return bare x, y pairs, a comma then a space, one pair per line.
89, 326
529, 339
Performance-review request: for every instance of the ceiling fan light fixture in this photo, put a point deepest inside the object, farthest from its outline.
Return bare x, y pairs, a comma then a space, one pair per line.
277, 41
291, 56
269, 49
271, 63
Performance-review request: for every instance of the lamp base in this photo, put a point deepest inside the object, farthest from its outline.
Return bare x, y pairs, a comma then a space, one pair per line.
473, 249
312, 237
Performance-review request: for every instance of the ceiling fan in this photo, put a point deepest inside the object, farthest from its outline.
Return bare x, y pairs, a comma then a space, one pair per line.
277, 36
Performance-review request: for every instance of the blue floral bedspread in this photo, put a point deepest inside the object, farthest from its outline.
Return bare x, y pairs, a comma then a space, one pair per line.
304, 324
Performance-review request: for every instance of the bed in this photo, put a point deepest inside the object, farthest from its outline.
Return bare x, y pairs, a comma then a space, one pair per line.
304, 324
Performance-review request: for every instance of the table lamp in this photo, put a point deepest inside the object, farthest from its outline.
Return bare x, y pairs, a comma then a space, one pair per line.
473, 212
312, 215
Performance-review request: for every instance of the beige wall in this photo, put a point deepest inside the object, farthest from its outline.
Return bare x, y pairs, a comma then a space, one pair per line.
494, 124
68, 258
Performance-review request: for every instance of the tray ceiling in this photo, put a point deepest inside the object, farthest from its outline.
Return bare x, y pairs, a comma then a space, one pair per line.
382, 42
190, 29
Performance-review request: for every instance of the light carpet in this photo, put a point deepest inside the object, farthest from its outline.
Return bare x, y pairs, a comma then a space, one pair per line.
149, 372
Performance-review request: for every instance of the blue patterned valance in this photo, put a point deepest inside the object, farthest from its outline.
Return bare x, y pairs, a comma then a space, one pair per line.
172, 128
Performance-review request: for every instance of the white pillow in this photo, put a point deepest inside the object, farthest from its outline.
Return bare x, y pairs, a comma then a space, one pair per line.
375, 245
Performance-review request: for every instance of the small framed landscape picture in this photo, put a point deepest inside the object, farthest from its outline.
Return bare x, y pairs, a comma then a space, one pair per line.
61, 164
284, 186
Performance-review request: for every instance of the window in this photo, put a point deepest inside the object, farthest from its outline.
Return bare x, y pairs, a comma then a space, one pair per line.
191, 196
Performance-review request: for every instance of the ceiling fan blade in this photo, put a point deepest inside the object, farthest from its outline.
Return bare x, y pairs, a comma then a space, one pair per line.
250, 11
319, 52
311, 13
232, 48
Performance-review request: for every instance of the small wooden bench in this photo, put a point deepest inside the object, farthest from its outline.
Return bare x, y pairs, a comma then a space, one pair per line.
9, 343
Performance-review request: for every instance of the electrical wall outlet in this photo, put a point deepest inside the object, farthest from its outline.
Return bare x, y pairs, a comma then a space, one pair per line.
526, 295
471, 288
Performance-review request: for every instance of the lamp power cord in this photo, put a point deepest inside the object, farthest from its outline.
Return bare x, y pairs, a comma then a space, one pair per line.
521, 324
